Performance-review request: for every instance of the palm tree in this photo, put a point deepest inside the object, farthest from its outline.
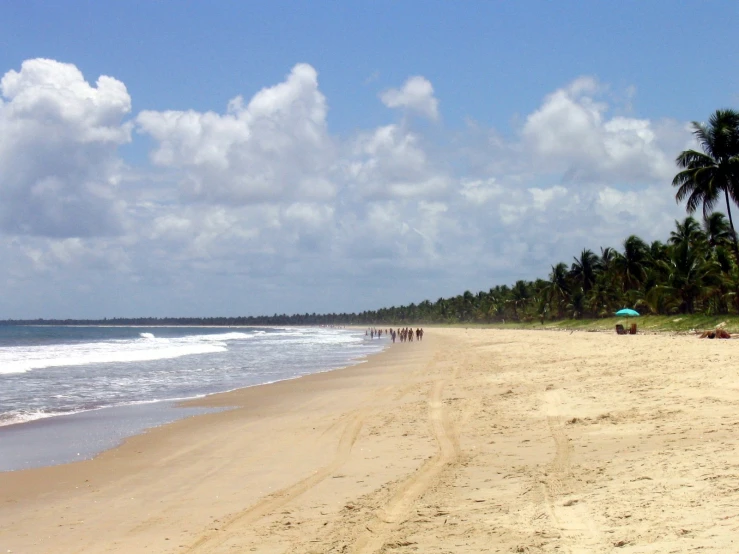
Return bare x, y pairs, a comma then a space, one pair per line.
466, 305
687, 231
657, 251
584, 269
719, 297
717, 229
607, 255
707, 174
631, 265
603, 297
519, 296
558, 288
689, 275
442, 308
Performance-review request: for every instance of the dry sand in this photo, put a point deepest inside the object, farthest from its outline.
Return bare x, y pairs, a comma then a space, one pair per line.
471, 441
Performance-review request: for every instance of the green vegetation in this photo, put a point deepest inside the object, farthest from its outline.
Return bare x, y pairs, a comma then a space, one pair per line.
649, 323
694, 273
690, 281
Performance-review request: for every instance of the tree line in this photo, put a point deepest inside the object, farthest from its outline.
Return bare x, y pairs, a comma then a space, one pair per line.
694, 270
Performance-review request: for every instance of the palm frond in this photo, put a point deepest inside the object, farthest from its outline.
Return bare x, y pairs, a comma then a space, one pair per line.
694, 159
703, 135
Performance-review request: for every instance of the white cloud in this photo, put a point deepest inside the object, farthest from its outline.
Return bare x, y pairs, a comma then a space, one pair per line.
544, 197
391, 162
98, 254
416, 95
652, 210
275, 148
59, 138
480, 191
261, 209
572, 132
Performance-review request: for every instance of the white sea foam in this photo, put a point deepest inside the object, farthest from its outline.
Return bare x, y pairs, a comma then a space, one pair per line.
24, 416
231, 358
20, 359
221, 337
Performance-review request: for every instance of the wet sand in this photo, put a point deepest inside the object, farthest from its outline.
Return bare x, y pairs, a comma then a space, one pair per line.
471, 441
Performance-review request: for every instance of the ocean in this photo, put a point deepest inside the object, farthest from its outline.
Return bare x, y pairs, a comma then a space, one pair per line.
67, 393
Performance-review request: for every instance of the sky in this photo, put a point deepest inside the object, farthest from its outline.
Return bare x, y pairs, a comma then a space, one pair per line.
175, 158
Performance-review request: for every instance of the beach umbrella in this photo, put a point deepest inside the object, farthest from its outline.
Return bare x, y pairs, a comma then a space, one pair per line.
628, 311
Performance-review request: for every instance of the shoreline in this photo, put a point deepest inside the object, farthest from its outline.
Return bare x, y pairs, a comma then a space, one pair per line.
152, 414
470, 441
238, 399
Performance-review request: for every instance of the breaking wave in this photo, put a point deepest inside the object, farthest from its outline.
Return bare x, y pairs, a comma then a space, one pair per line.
20, 359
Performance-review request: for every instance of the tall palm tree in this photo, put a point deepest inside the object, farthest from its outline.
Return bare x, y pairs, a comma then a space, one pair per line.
584, 269
632, 264
520, 294
717, 230
558, 288
604, 296
607, 255
467, 305
442, 308
688, 230
657, 251
689, 275
707, 174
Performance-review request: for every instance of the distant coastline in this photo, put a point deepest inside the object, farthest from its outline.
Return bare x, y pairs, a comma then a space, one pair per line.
249, 321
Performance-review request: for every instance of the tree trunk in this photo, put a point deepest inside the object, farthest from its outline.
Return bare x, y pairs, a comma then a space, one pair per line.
731, 224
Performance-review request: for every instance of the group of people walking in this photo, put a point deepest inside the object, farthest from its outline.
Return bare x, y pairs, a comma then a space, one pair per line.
406, 334
403, 335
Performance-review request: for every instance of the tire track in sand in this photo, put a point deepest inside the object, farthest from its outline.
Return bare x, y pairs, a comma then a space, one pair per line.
571, 517
412, 488
210, 540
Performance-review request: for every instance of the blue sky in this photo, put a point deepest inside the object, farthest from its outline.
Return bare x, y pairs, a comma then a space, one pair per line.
487, 60
521, 114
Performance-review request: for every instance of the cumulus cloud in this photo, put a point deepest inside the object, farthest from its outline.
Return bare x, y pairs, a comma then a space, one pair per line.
572, 132
59, 138
391, 162
263, 199
416, 95
480, 191
275, 148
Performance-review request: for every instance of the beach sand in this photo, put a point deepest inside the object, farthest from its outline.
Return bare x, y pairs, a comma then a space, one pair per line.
470, 441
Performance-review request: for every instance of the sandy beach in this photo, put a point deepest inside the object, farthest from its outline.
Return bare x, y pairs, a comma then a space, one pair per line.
470, 441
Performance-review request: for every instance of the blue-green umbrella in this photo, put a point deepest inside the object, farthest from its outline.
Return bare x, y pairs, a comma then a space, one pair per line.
628, 312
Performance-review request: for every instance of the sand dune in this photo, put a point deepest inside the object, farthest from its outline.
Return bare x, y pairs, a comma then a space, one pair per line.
471, 441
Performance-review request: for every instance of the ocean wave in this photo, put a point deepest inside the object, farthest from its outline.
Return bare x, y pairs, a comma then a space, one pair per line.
24, 416
222, 336
14, 417
21, 359
232, 358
